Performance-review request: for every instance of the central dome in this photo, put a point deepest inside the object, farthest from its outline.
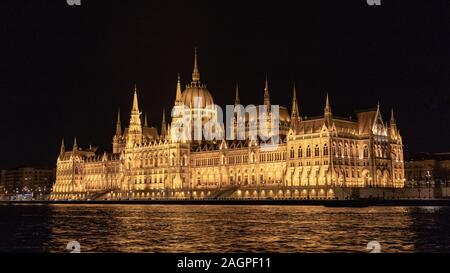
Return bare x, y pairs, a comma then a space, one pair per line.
196, 96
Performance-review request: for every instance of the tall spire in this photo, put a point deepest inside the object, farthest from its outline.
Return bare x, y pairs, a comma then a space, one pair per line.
178, 94
237, 100
118, 124
195, 72
327, 112
393, 121
393, 124
135, 101
62, 151
75, 146
135, 120
295, 114
163, 124
267, 95
145, 120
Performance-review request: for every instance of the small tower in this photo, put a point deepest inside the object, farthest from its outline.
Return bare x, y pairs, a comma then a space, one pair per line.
135, 129
237, 101
327, 116
163, 125
295, 113
62, 150
145, 120
118, 138
393, 124
178, 93
118, 125
267, 95
195, 72
75, 146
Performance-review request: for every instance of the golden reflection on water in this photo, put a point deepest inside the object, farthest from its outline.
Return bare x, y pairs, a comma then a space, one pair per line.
210, 228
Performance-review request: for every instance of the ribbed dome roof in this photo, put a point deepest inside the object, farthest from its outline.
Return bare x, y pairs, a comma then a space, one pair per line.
196, 96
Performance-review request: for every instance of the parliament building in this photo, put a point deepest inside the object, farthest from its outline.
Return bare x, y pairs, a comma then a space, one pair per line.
313, 157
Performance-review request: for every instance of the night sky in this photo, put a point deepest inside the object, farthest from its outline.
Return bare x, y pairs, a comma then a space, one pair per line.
65, 70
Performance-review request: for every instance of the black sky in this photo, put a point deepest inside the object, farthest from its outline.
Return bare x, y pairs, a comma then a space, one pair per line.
65, 70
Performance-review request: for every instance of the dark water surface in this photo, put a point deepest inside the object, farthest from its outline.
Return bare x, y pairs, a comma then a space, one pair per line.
214, 228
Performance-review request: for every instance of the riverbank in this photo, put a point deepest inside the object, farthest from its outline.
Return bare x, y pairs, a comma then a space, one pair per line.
291, 202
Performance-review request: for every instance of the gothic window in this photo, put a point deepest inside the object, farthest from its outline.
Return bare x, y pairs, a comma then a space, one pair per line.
340, 150
333, 149
308, 151
292, 152
316, 151
366, 151
300, 152
325, 150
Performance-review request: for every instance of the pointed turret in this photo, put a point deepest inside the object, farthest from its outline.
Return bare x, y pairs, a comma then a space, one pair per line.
163, 125
295, 113
169, 132
145, 120
393, 124
195, 72
393, 121
135, 122
327, 112
75, 146
135, 129
62, 150
237, 101
118, 125
135, 108
267, 95
178, 94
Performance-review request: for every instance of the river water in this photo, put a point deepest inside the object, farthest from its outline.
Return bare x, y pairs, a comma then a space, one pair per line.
214, 228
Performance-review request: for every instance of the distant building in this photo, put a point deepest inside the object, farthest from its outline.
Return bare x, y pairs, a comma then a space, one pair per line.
27, 180
428, 168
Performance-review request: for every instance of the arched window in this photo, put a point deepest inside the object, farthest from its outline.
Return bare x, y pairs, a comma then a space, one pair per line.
366, 151
316, 150
325, 150
292, 152
340, 150
300, 152
333, 149
346, 150
308, 151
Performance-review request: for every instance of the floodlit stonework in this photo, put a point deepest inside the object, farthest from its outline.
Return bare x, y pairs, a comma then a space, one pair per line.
315, 158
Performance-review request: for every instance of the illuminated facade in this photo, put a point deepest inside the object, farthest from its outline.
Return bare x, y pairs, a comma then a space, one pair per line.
315, 156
